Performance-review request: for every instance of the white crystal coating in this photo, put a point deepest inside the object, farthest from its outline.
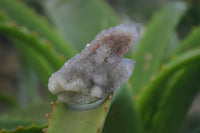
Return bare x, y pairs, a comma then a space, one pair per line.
99, 69
96, 91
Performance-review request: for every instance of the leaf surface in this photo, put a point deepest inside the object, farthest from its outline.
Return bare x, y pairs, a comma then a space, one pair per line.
174, 106
17, 125
21, 14
79, 21
67, 120
123, 117
151, 97
152, 47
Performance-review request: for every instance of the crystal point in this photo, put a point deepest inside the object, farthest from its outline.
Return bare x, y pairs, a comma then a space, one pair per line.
99, 69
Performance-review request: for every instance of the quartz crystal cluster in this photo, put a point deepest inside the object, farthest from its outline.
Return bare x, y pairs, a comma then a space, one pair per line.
99, 69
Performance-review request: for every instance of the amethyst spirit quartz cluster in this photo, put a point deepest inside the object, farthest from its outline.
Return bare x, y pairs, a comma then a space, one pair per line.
99, 69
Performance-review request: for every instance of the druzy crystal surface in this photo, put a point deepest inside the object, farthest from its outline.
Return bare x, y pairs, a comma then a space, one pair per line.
99, 69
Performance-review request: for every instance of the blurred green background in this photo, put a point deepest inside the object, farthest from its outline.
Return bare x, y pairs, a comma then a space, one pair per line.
77, 25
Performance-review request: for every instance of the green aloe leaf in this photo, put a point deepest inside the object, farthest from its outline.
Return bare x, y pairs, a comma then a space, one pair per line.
79, 21
38, 52
150, 99
152, 47
21, 129
10, 123
172, 46
190, 42
8, 100
28, 81
41, 66
64, 119
174, 106
17, 125
34, 112
33, 41
122, 117
182, 92
21, 14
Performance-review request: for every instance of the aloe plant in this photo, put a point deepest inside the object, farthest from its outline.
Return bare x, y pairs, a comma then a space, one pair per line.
156, 98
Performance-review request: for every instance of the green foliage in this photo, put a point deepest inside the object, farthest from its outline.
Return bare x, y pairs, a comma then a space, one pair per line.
78, 28
33, 112
152, 47
122, 114
24, 16
10, 123
155, 100
66, 119
176, 102
6, 99
146, 101
43, 48
20, 129
190, 42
